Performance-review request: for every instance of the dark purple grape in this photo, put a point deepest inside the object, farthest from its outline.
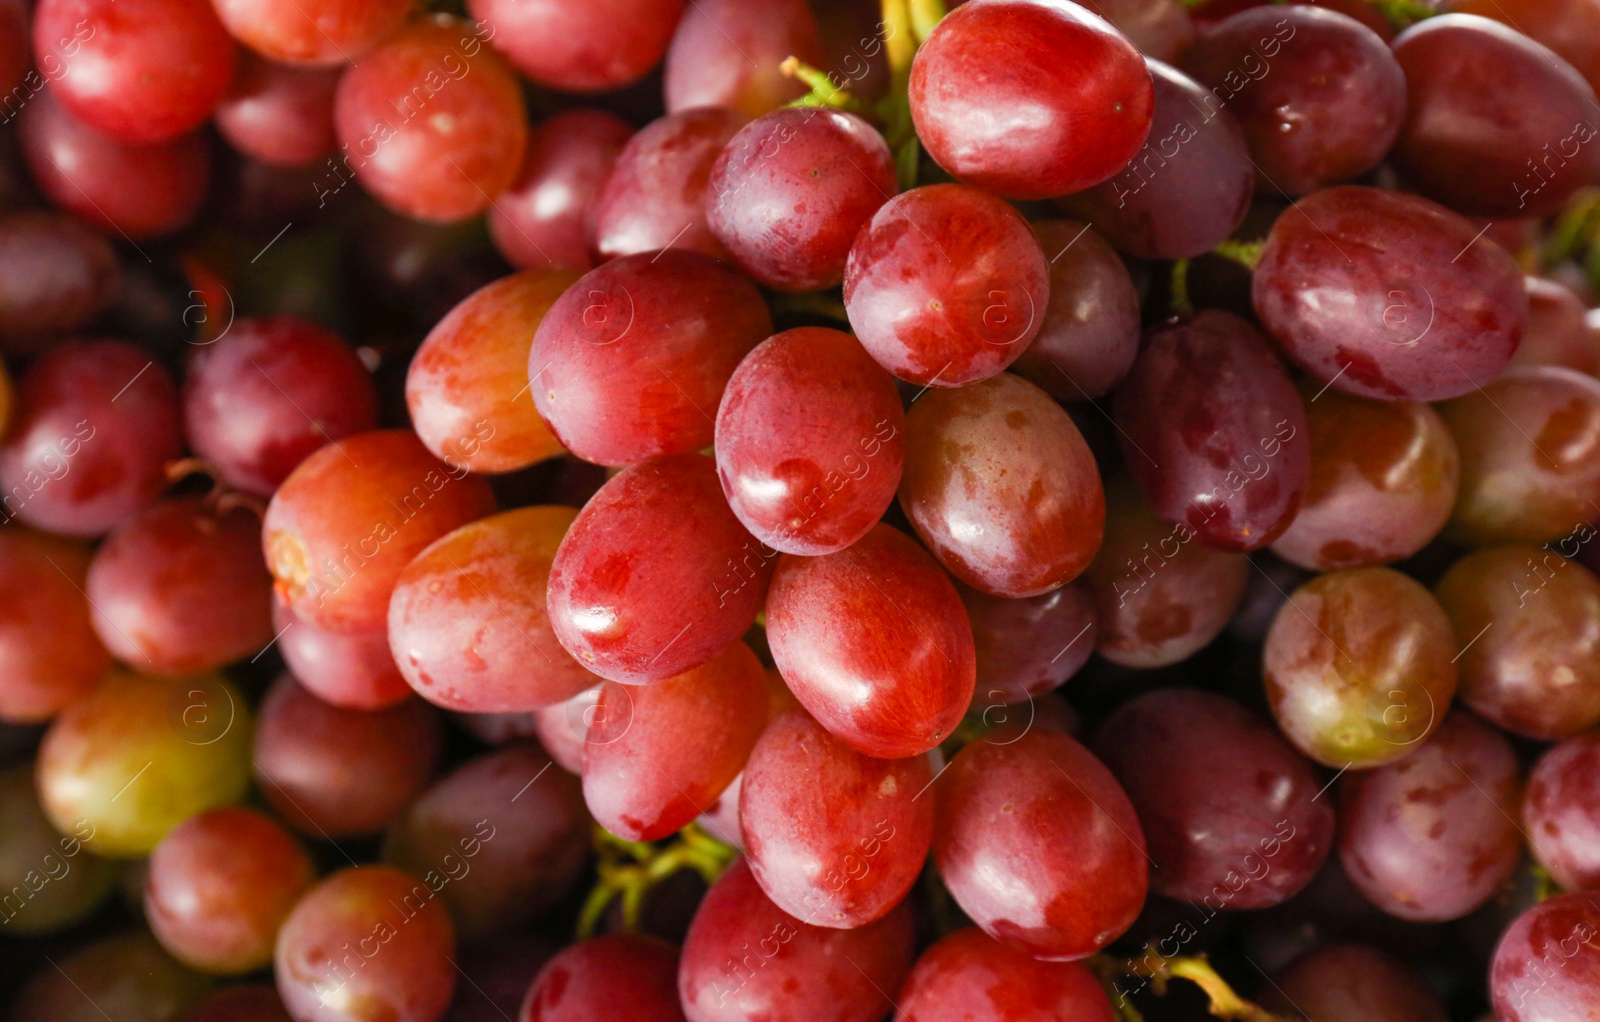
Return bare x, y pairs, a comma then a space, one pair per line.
1354, 983
1027, 647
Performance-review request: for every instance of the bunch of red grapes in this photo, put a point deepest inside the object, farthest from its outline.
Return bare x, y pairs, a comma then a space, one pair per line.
799, 511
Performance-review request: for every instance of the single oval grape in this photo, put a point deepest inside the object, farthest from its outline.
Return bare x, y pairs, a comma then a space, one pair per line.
1090, 334
969, 975
350, 517
1187, 189
267, 393
835, 838
141, 71
1434, 836
1001, 486
730, 54
580, 45
1214, 432
1160, 595
1384, 476
1029, 99
279, 114
657, 755
790, 191
656, 195
50, 881
1354, 983
324, 32
354, 670
331, 772
51, 653
367, 944
544, 218
1228, 808
656, 575
1423, 311
134, 191
219, 887
1512, 142
1562, 812
503, 839
1360, 666
139, 755
1528, 620
632, 360
1530, 456
1319, 95
96, 424
746, 958
945, 285
1039, 845
810, 441
60, 276
181, 588
1569, 27
465, 386
1546, 967
434, 120
1027, 647
468, 621
874, 642
626, 977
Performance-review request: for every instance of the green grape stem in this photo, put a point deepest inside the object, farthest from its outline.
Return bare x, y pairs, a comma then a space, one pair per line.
1197, 969
1245, 253
629, 870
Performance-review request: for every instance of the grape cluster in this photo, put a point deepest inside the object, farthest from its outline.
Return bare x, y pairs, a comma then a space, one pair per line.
799, 511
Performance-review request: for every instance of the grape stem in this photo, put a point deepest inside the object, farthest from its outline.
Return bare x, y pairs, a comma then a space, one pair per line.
823, 92
631, 869
1245, 253
1181, 305
924, 15
1197, 969
1402, 14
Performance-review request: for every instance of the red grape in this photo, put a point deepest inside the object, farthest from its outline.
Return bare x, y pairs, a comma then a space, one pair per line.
1434, 836
468, 623
620, 977
810, 441
1090, 334
791, 190
1496, 124
745, 958
1360, 666
1326, 105
331, 32
1354, 983
343, 526
52, 655
332, 772
1001, 487
1546, 967
465, 385
968, 975
580, 45
354, 670
656, 194
1528, 624
1557, 332
1562, 812
874, 642
138, 191
1030, 98
658, 754
1160, 596
730, 53
96, 424
59, 277
563, 729
632, 360
501, 839
1038, 844
1229, 809
656, 575
1569, 27
545, 217
1187, 189
1422, 312
435, 121
220, 885
279, 113
267, 393
835, 838
1214, 432
1384, 476
1027, 647
368, 944
146, 70
945, 285
1161, 29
